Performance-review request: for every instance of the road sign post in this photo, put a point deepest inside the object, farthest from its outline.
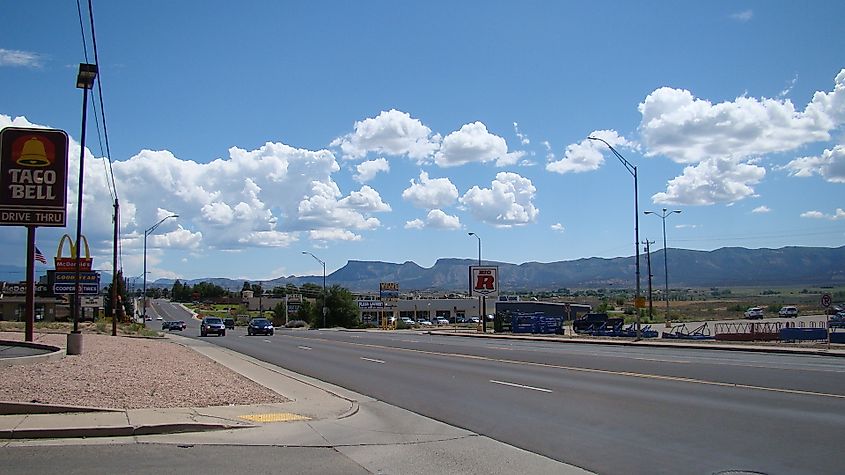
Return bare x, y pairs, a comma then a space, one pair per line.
826, 301
33, 191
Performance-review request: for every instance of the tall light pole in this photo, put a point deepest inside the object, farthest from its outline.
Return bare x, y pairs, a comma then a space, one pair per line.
663, 216
481, 300
147, 232
633, 171
324, 284
85, 81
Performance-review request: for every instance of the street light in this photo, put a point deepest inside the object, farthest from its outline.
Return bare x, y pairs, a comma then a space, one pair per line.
147, 232
663, 216
481, 300
324, 284
633, 171
85, 81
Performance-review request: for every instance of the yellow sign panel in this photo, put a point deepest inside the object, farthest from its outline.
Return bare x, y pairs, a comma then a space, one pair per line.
639, 302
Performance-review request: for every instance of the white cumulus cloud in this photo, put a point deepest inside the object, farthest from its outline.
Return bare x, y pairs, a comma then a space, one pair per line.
430, 193
587, 155
761, 209
392, 133
474, 144
508, 202
436, 219
837, 215
830, 165
369, 169
712, 181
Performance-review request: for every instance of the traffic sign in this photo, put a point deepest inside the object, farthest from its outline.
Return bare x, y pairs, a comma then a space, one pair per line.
826, 301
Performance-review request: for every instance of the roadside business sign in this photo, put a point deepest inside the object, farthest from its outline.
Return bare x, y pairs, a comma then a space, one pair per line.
33, 177
826, 300
483, 281
86, 288
365, 304
389, 291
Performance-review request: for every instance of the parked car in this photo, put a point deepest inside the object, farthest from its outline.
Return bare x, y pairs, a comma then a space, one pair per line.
165, 325
260, 326
407, 321
159, 317
788, 311
441, 321
177, 325
754, 313
230, 323
212, 325
837, 320
424, 323
474, 320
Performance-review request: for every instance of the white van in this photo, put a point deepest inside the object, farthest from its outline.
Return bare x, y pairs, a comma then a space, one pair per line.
788, 311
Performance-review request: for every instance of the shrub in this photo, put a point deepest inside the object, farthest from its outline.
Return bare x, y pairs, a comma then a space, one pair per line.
296, 324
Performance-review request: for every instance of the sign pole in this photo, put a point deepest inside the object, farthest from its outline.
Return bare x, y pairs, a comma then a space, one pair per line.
30, 283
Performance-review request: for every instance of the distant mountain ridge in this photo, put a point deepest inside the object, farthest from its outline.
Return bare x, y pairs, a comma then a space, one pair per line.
724, 267
729, 266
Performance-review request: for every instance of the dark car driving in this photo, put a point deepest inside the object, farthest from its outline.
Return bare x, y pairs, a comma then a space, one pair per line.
230, 323
176, 325
213, 325
260, 326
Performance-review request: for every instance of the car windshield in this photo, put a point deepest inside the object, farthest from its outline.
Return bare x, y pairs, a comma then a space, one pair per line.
213, 320
260, 322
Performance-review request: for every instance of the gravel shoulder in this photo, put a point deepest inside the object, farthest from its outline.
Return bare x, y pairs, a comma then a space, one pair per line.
122, 372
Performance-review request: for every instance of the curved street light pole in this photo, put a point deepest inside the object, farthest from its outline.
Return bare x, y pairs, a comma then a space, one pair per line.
147, 232
663, 216
324, 284
482, 303
633, 171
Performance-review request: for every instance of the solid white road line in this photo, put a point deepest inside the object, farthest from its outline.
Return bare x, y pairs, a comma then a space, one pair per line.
520, 386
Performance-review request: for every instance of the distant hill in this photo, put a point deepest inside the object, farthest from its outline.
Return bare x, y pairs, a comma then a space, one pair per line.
725, 267
730, 266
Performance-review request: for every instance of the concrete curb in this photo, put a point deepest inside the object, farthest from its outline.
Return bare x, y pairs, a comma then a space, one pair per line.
652, 343
52, 353
112, 431
10, 408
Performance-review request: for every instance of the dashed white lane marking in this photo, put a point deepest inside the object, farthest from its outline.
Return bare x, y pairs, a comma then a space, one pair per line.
522, 386
304, 347
374, 361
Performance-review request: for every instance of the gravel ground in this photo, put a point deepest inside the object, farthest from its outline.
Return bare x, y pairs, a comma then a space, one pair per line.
128, 373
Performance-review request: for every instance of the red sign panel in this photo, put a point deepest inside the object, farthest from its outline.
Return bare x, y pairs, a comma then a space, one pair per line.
483, 281
33, 177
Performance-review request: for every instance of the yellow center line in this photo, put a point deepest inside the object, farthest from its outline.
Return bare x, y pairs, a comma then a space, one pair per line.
589, 370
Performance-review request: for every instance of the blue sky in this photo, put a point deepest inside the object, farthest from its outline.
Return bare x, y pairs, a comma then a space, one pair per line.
387, 131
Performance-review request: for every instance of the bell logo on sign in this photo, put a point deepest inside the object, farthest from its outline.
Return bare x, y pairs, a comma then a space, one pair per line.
483, 281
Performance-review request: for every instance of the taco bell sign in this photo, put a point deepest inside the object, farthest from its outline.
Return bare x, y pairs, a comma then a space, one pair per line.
33, 177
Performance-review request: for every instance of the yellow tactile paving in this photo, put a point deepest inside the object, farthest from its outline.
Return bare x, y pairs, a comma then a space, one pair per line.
275, 417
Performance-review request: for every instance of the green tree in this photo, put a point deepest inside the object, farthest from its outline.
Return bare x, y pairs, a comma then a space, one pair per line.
342, 308
306, 312
279, 314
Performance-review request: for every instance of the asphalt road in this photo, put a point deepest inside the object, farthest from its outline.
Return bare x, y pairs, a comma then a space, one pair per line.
608, 409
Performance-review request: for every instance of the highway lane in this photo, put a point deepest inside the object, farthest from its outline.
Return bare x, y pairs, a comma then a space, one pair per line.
607, 409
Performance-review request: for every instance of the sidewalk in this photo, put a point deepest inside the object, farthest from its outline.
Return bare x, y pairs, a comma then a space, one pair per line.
307, 402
